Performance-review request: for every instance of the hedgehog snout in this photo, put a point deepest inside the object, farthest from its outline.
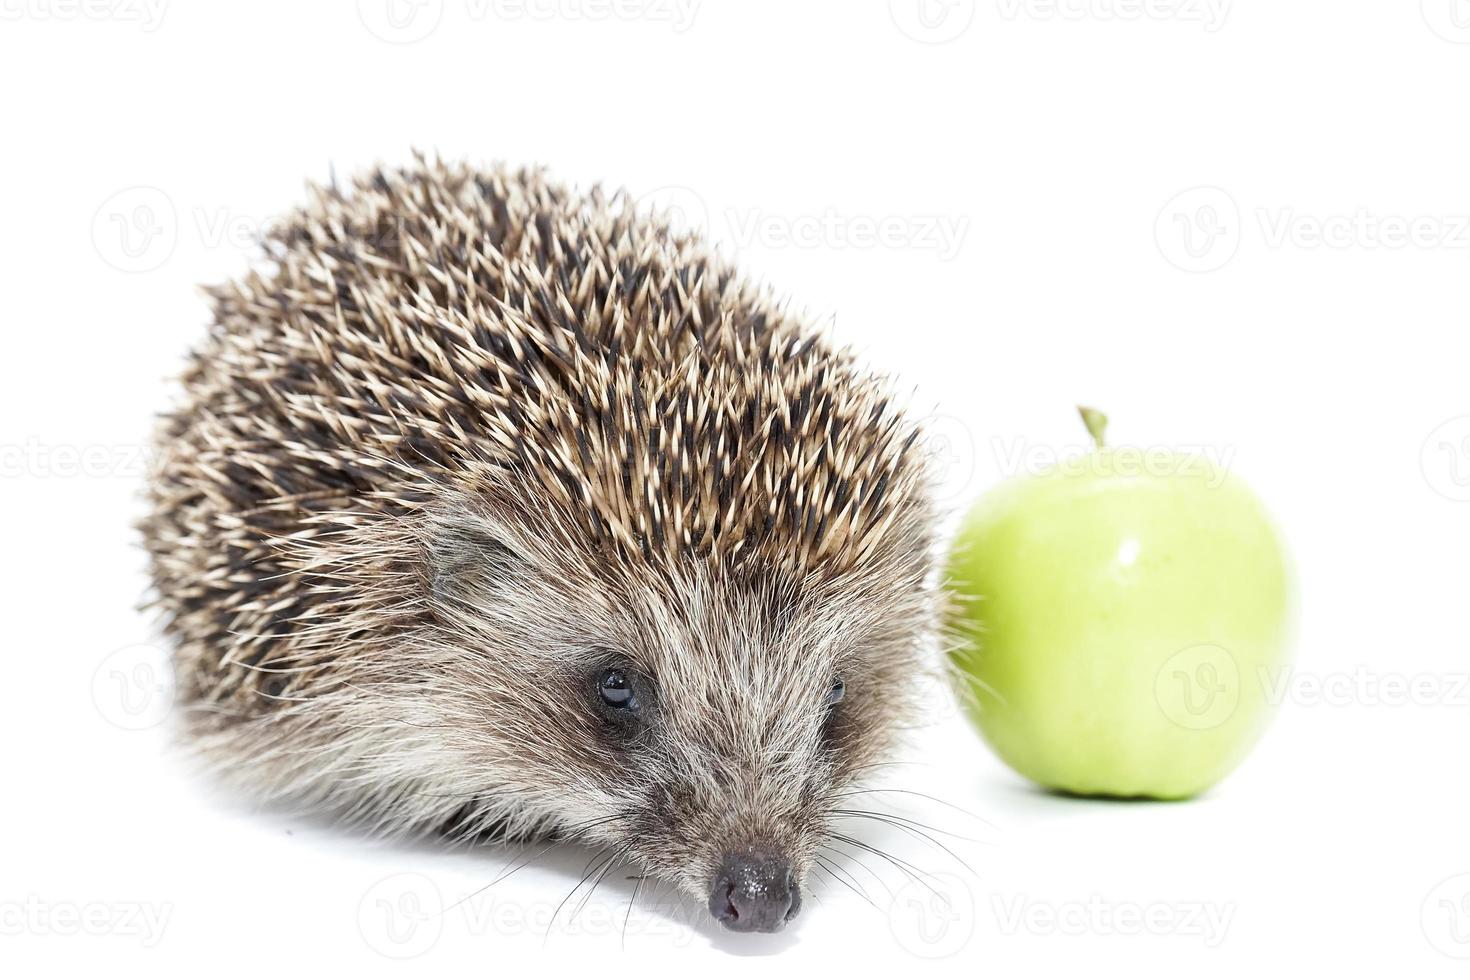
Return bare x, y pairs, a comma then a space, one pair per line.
755, 891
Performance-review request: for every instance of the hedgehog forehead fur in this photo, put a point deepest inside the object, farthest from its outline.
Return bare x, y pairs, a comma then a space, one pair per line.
468, 436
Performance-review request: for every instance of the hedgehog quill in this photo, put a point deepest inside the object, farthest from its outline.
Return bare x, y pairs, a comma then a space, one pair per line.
498, 509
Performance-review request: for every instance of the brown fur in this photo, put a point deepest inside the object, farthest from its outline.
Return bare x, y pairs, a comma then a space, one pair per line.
469, 435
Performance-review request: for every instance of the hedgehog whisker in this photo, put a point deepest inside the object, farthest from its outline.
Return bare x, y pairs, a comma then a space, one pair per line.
618, 859
507, 871
918, 834
911, 792
637, 884
590, 869
826, 875
837, 874
910, 821
861, 864
913, 871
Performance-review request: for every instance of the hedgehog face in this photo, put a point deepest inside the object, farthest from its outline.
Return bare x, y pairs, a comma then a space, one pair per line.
699, 721
725, 739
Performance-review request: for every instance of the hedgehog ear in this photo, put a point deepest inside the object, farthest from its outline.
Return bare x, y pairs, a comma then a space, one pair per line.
466, 561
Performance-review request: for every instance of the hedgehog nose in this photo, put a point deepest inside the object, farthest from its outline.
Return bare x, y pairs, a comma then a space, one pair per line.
754, 891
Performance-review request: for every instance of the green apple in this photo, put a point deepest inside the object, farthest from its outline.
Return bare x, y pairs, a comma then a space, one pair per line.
1120, 619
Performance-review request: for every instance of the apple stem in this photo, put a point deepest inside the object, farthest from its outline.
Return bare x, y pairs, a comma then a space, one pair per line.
1096, 422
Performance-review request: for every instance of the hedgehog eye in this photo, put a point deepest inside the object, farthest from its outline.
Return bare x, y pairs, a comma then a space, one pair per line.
617, 691
836, 692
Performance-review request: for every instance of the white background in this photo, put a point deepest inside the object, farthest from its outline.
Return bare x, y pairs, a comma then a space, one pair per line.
1240, 227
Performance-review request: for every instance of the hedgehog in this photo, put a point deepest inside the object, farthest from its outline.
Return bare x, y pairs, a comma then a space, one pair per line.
496, 508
